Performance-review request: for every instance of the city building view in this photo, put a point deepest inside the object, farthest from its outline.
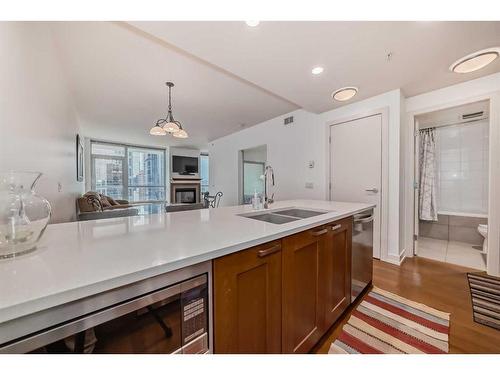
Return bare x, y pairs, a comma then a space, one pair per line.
134, 174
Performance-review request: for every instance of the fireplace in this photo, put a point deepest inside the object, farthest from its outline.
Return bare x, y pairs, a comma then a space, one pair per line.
185, 192
185, 195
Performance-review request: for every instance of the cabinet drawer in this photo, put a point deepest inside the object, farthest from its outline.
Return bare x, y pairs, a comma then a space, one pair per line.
307, 237
340, 225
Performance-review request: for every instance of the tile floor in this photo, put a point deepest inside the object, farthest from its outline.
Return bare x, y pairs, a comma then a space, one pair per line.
461, 253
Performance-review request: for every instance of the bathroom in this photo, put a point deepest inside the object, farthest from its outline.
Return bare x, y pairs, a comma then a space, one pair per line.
452, 174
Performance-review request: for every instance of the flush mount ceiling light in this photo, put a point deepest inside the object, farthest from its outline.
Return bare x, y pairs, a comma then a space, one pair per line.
345, 93
252, 23
168, 124
475, 61
317, 70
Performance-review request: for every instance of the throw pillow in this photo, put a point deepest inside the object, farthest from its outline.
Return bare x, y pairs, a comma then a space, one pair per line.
90, 202
112, 201
104, 201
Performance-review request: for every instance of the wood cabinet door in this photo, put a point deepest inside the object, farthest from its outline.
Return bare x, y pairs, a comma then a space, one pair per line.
302, 291
247, 300
335, 270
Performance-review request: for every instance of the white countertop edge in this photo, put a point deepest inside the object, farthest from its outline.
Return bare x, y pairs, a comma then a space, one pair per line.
70, 295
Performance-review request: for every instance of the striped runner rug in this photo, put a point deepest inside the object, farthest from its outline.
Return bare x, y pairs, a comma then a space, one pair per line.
387, 323
485, 293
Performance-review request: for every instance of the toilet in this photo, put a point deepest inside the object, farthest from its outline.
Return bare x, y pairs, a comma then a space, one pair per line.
483, 230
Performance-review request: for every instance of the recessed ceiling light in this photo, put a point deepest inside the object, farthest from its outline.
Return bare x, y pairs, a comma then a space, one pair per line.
475, 61
317, 70
252, 23
345, 93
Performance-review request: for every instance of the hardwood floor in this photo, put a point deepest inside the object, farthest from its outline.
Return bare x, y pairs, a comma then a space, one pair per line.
439, 285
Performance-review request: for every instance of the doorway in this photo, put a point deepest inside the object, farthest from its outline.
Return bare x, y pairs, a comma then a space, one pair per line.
356, 166
451, 175
252, 165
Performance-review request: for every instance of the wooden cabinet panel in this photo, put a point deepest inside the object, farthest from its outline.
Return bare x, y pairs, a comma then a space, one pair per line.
302, 290
247, 300
281, 297
336, 266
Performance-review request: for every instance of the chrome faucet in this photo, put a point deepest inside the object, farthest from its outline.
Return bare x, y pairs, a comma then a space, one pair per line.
267, 200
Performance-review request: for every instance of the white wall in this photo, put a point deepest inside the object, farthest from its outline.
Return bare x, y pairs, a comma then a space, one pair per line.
485, 88
290, 148
258, 154
103, 132
462, 162
453, 95
38, 124
404, 162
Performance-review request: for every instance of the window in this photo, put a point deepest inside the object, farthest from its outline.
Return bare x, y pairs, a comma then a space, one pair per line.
136, 174
204, 173
462, 161
109, 177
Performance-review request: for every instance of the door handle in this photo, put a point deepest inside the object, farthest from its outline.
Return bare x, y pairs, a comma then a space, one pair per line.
320, 232
373, 190
335, 227
269, 251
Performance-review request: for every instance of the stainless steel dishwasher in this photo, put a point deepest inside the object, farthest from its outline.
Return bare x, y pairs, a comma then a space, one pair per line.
362, 252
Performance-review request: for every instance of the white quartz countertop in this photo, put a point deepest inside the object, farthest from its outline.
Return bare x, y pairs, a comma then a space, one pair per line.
79, 259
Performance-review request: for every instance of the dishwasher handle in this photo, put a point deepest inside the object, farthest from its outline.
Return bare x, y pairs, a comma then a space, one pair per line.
362, 219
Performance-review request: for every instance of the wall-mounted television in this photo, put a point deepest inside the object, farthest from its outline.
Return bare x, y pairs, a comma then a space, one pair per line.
184, 165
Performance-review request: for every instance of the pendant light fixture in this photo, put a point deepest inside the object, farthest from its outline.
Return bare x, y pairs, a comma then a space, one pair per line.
168, 124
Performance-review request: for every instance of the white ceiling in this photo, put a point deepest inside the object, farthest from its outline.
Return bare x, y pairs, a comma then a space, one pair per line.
118, 82
279, 56
227, 73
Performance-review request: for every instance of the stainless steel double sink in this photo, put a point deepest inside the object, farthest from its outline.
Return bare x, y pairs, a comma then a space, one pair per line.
284, 215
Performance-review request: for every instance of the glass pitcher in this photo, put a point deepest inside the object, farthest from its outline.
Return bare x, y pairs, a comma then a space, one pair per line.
24, 215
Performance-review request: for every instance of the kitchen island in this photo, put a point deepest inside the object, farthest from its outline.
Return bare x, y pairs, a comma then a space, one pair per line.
81, 259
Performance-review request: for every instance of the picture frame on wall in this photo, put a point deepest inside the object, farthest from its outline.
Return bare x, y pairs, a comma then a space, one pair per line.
79, 158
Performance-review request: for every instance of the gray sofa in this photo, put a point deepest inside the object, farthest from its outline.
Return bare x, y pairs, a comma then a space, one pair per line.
94, 206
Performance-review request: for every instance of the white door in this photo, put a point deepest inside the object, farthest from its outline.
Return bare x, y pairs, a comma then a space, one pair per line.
356, 166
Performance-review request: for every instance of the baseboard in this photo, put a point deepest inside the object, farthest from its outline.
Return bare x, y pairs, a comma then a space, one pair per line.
395, 259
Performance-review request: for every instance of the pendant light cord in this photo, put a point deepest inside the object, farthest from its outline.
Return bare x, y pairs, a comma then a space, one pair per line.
169, 98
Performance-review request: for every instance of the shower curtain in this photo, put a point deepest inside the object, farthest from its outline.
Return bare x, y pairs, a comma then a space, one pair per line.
428, 178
